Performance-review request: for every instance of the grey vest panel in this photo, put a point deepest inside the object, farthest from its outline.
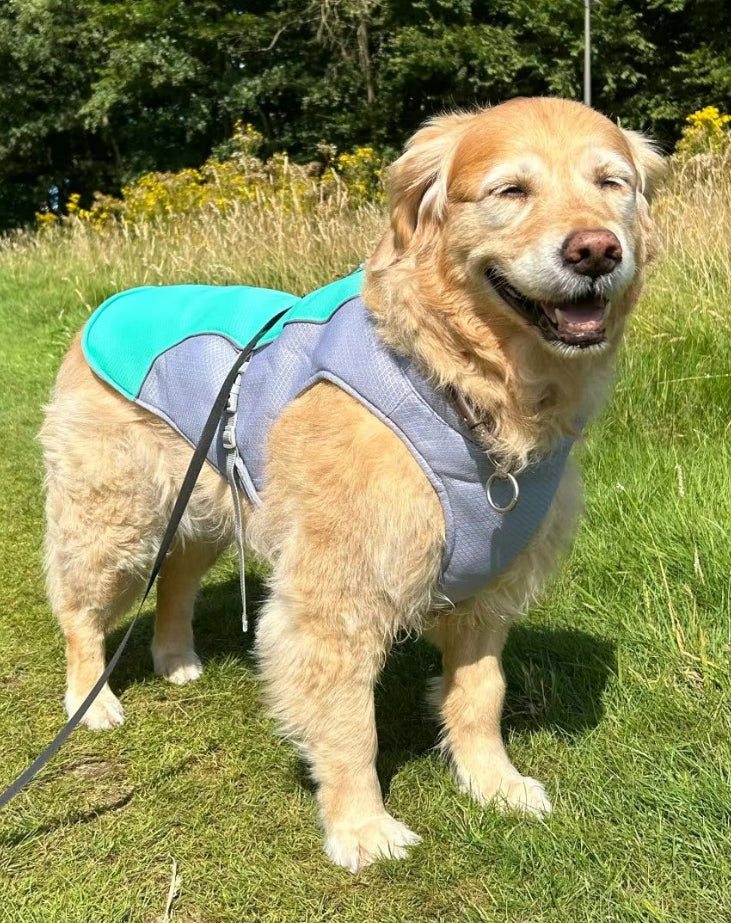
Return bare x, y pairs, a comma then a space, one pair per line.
480, 543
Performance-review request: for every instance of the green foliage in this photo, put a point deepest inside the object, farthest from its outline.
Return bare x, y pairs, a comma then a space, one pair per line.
96, 93
706, 132
47, 61
223, 185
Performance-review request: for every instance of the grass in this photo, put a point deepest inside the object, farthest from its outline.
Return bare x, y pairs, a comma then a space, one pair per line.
619, 683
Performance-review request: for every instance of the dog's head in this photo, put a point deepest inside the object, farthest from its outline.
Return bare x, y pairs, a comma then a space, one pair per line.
536, 210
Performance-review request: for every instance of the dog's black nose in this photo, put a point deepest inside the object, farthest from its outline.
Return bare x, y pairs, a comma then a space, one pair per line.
592, 252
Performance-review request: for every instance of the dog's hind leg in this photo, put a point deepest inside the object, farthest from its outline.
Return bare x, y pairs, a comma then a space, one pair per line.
173, 653
112, 474
85, 616
101, 538
96, 564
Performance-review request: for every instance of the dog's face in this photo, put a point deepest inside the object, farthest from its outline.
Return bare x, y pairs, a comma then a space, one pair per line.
537, 209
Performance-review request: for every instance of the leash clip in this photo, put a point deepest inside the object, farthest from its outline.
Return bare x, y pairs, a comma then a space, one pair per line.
229, 435
233, 396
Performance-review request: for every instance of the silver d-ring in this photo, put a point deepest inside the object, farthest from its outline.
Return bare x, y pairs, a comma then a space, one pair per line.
500, 476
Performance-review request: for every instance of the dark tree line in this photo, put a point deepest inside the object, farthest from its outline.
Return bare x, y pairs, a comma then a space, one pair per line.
94, 92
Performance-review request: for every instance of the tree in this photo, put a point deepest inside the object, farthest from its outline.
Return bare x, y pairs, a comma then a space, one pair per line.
95, 92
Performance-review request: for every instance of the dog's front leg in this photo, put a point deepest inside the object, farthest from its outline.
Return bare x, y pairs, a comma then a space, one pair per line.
470, 702
319, 670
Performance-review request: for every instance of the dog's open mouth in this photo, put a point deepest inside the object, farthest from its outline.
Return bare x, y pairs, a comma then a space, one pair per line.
579, 323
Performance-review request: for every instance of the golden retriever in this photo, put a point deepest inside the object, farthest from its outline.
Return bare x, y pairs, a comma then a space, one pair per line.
515, 252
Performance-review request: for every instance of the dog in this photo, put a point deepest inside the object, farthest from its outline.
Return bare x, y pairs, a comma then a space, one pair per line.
517, 242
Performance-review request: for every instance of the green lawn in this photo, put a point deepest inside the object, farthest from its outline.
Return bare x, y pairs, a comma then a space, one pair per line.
618, 685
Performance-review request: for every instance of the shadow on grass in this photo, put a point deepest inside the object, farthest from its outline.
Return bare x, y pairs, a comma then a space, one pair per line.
66, 820
556, 677
108, 801
218, 631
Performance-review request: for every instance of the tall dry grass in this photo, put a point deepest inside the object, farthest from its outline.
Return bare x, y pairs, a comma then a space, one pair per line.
692, 212
259, 243
252, 244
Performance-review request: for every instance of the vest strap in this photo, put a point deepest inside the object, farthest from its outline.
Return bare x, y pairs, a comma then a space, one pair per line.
232, 458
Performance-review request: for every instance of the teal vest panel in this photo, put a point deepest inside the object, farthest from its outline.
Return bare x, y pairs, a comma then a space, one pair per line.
125, 335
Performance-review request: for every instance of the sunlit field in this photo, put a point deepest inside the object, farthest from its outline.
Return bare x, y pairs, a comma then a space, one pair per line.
619, 684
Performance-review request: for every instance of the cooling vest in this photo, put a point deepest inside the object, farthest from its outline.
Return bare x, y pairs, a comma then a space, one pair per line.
169, 348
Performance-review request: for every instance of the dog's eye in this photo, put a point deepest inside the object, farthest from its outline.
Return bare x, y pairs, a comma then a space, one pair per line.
513, 191
610, 182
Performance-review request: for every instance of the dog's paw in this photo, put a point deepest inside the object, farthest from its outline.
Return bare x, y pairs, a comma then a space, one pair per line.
177, 667
105, 711
526, 795
382, 837
512, 793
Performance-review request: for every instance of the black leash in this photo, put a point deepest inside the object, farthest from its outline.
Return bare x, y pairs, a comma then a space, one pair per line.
186, 489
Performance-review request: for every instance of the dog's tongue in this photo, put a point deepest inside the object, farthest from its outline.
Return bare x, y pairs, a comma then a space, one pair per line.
577, 318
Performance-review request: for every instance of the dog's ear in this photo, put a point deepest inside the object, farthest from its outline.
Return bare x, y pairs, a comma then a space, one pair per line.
651, 167
649, 162
418, 183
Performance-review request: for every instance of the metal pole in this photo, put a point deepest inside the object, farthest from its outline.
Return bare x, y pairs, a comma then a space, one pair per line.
587, 52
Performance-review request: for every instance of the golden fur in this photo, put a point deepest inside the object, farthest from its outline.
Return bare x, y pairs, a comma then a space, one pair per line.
351, 526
